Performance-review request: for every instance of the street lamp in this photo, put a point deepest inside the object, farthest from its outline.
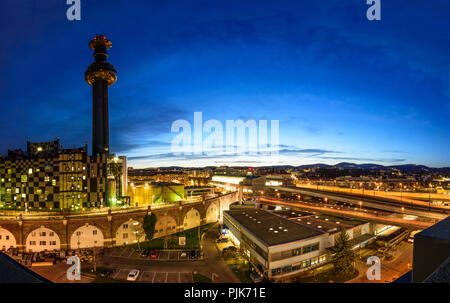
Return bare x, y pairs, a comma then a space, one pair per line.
401, 192
361, 185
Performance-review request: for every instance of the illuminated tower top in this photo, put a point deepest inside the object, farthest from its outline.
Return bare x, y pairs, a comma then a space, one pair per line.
100, 74
100, 69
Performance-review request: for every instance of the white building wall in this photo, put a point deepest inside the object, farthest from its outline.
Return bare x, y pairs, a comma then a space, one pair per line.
130, 232
87, 236
191, 219
7, 239
164, 226
212, 213
42, 239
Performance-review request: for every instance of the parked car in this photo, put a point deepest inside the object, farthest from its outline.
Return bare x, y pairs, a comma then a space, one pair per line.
222, 240
183, 254
255, 277
382, 250
232, 248
411, 236
133, 275
192, 254
154, 254
145, 253
105, 272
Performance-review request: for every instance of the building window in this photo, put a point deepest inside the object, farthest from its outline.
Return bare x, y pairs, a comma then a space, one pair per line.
52, 234
276, 271
306, 263
125, 236
125, 226
23, 178
43, 243
297, 252
310, 248
94, 232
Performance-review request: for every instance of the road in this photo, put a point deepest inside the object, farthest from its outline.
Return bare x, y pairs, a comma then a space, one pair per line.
390, 270
355, 213
413, 206
211, 263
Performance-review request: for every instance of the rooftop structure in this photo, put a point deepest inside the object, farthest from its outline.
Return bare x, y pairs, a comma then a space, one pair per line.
271, 229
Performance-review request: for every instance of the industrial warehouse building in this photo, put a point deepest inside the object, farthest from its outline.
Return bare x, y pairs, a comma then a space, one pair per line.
281, 247
144, 193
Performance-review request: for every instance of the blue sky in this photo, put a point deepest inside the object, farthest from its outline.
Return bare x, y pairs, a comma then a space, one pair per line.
344, 89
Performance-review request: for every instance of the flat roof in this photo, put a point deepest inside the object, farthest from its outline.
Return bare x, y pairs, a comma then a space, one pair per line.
270, 228
325, 223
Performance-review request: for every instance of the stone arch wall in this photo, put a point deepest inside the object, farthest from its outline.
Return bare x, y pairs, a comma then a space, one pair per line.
212, 213
7, 239
42, 239
165, 225
109, 224
87, 236
191, 219
129, 231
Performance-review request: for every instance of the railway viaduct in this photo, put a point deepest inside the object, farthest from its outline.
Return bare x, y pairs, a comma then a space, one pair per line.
108, 229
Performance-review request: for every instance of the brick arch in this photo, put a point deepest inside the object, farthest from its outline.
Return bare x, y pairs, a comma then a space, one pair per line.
212, 213
120, 232
33, 242
118, 222
164, 223
200, 207
191, 218
58, 228
7, 239
88, 240
15, 229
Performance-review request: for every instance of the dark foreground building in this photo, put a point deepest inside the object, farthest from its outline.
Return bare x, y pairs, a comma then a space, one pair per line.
13, 272
431, 255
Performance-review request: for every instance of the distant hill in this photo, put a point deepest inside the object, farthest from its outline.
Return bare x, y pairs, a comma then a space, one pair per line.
412, 168
409, 168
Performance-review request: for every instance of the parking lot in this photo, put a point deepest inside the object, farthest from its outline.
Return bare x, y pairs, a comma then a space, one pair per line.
163, 255
154, 277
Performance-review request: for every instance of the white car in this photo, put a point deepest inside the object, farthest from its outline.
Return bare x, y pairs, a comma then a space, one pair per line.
133, 275
183, 254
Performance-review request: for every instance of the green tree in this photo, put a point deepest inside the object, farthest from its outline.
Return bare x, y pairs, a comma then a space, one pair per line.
344, 257
149, 225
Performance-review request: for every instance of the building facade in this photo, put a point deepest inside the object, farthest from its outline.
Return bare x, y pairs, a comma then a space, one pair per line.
48, 177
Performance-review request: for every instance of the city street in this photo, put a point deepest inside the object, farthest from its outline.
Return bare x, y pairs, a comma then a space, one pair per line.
390, 270
164, 269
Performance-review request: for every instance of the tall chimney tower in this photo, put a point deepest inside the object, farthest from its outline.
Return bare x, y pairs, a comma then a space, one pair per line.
100, 75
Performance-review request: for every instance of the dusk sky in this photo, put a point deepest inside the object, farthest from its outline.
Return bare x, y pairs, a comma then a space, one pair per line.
344, 89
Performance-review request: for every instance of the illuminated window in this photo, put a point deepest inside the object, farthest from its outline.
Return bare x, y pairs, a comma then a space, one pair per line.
23, 178
30, 171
